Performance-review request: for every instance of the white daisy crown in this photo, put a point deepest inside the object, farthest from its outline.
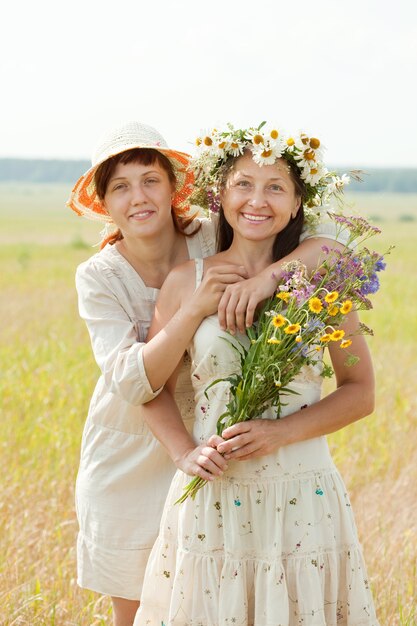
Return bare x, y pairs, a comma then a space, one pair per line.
267, 144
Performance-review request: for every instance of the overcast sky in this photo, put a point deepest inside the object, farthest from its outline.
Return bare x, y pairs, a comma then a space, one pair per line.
345, 72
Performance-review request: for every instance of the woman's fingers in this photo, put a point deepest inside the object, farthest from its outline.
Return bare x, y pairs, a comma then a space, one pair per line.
208, 460
232, 446
236, 308
222, 308
250, 439
238, 304
238, 429
216, 280
214, 441
250, 310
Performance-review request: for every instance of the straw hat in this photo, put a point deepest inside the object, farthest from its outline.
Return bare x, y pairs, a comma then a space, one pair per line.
84, 200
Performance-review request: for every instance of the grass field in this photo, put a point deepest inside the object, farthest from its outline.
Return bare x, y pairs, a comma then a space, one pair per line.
48, 373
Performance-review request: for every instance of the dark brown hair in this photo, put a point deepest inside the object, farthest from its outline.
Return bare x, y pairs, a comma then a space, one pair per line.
144, 156
288, 239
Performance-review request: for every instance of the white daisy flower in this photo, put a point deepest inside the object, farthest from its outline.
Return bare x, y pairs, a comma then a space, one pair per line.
255, 136
306, 148
273, 134
337, 183
236, 147
312, 172
290, 143
206, 139
265, 154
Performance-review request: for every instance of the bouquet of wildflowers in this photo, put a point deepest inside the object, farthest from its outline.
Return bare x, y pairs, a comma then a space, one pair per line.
296, 323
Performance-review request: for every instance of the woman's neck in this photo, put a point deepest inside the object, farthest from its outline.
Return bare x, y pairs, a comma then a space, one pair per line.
154, 257
255, 256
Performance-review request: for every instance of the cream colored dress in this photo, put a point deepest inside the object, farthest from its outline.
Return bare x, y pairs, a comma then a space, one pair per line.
272, 542
124, 473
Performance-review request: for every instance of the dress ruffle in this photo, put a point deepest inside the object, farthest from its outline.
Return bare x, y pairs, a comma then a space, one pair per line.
265, 553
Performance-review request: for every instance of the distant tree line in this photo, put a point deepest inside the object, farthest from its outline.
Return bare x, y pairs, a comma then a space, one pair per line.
396, 180
41, 170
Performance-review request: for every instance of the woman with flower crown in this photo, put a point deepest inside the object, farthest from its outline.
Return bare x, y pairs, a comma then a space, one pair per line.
270, 540
140, 189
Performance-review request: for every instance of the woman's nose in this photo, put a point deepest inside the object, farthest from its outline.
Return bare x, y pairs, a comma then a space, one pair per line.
138, 195
257, 198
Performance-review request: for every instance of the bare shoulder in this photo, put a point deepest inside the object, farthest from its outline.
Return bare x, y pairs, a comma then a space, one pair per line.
180, 281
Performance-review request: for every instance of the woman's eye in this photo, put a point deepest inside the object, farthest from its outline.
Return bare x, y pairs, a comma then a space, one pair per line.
243, 183
119, 186
151, 181
276, 187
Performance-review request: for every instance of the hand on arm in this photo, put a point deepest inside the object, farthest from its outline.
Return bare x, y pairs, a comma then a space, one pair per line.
179, 312
164, 420
352, 400
238, 303
162, 358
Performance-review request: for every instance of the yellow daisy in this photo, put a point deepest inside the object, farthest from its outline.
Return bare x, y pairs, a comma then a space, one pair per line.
315, 305
331, 297
346, 307
333, 310
325, 338
346, 343
284, 295
292, 329
278, 321
298, 339
337, 335
273, 340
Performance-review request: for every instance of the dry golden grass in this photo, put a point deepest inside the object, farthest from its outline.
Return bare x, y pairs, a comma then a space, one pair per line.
47, 378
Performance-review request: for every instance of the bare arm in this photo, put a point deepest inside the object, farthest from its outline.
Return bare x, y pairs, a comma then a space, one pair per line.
238, 303
162, 414
164, 420
176, 317
118, 339
352, 400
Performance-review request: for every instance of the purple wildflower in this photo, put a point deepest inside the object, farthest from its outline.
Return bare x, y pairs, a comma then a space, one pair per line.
370, 285
213, 201
380, 265
314, 324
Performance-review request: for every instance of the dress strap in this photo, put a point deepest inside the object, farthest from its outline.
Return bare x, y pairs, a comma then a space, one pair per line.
199, 270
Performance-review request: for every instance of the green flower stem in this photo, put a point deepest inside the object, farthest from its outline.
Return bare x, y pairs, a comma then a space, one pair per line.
191, 489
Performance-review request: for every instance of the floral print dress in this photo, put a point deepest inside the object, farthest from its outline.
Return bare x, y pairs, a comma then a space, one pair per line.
272, 542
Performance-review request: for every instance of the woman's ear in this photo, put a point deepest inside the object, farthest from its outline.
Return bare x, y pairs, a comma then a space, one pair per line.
297, 206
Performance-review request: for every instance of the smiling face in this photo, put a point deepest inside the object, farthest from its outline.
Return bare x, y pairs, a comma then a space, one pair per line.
258, 202
138, 198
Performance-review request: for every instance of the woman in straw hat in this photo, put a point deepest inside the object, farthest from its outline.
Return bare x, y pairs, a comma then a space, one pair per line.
140, 188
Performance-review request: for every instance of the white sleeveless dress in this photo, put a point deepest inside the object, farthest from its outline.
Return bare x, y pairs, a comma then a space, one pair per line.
272, 542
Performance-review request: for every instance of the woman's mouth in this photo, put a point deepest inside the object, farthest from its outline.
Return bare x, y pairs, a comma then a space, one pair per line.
255, 218
140, 215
